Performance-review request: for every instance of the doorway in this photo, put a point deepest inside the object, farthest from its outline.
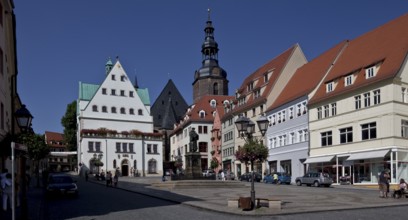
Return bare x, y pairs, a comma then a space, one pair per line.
125, 168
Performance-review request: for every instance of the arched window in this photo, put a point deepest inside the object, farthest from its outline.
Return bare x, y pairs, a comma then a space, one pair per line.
213, 103
122, 111
114, 164
104, 109
94, 108
202, 114
131, 111
152, 166
113, 109
140, 112
215, 89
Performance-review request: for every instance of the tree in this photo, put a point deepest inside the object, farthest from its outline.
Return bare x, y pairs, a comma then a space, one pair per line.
70, 126
36, 147
252, 152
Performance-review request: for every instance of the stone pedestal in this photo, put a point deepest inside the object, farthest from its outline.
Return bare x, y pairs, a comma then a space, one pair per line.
193, 165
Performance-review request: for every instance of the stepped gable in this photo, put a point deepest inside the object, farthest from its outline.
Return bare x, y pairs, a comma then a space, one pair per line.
386, 45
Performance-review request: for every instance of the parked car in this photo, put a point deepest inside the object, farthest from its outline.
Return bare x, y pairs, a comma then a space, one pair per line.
208, 173
228, 175
248, 177
61, 184
282, 178
315, 179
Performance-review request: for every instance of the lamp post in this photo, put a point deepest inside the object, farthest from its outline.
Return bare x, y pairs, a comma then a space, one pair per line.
24, 119
246, 129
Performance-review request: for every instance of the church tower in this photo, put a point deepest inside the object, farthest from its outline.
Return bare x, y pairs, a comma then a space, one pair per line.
210, 79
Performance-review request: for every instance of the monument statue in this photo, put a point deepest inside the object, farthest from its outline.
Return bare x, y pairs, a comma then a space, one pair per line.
193, 140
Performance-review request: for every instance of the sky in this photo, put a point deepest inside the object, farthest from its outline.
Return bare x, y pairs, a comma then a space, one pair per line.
62, 43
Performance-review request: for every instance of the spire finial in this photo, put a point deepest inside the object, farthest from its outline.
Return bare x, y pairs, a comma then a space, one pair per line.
209, 13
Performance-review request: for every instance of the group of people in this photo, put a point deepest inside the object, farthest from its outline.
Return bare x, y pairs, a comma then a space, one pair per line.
384, 185
112, 181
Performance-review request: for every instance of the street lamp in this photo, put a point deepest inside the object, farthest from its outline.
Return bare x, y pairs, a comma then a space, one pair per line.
24, 119
246, 129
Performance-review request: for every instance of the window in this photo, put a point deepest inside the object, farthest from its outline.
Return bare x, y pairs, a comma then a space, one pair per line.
122, 78
130, 93
253, 112
131, 148
266, 77
346, 135
155, 148
140, 112
357, 100
113, 77
113, 109
149, 149
377, 97
98, 146
124, 147
348, 80
122, 110
215, 89
326, 138
283, 115
326, 111
368, 131
113, 92
104, 109
205, 129
370, 72
202, 114
257, 93
200, 129
131, 111
122, 92
329, 87
104, 91
292, 138
404, 95
366, 99
90, 146
404, 128
213, 103
334, 109
118, 147
319, 113
94, 108
299, 110
290, 112
250, 86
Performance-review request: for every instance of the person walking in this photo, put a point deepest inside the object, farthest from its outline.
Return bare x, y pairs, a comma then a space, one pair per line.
222, 176
115, 180
275, 178
6, 186
109, 178
383, 183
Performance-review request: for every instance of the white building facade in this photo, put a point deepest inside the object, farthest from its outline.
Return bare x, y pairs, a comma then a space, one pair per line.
115, 128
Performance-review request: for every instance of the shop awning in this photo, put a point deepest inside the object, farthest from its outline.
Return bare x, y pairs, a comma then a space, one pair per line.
63, 154
368, 155
319, 159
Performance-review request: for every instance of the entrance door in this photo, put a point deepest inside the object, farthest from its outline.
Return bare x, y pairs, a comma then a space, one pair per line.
125, 168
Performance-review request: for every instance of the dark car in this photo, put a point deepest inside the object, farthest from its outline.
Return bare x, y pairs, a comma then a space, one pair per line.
248, 177
315, 179
282, 178
61, 184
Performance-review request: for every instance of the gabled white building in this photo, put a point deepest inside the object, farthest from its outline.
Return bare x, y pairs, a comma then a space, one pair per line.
115, 129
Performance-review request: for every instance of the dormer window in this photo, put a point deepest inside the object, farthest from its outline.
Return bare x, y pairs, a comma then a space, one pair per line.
370, 72
202, 114
266, 78
257, 93
329, 86
213, 103
250, 86
348, 80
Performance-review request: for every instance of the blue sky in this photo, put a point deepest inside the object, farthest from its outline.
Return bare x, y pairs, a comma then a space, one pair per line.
60, 43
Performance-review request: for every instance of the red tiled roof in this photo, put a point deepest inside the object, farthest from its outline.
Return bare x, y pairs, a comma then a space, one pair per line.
387, 44
276, 65
203, 104
52, 137
307, 77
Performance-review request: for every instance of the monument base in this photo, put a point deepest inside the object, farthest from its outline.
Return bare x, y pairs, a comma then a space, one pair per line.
193, 166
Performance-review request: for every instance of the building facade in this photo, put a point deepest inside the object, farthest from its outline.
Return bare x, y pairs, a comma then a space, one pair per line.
115, 128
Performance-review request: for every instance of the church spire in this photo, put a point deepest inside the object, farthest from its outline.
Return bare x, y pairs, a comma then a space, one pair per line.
209, 49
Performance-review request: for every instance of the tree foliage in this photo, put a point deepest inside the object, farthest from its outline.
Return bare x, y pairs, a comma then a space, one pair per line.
37, 148
252, 152
70, 126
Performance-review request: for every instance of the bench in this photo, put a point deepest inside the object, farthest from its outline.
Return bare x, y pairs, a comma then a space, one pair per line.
271, 203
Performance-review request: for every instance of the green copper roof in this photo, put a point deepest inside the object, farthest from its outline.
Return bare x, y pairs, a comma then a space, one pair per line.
144, 95
87, 91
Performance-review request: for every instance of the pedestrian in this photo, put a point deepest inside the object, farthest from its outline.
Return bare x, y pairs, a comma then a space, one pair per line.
222, 176
275, 178
115, 180
6, 187
383, 183
109, 178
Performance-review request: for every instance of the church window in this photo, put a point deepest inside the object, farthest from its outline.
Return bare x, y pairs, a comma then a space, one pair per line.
140, 112
113, 109
215, 89
94, 108
122, 111
131, 111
